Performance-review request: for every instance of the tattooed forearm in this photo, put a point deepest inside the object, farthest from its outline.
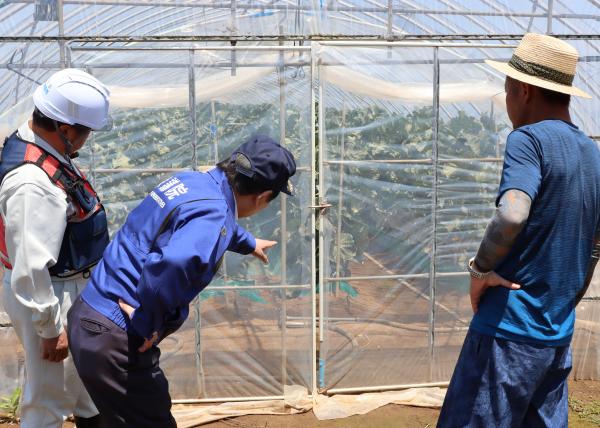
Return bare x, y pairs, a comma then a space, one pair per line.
591, 267
508, 221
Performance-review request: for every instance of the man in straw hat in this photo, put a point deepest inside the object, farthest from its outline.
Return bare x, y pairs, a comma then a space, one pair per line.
537, 256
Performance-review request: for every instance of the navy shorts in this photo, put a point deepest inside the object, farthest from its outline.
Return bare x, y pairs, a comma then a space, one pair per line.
502, 383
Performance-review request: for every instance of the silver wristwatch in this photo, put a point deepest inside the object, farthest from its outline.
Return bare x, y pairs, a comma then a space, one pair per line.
473, 272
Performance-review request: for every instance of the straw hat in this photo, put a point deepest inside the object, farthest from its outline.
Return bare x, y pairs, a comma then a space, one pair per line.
543, 61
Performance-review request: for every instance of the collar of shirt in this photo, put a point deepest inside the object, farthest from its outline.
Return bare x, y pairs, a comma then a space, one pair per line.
25, 133
220, 177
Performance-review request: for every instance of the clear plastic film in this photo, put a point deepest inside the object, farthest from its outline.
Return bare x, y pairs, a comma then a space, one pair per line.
294, 18
410, 168
412, 153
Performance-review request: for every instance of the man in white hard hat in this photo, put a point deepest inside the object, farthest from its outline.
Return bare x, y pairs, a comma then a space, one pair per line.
537, 256
53, 230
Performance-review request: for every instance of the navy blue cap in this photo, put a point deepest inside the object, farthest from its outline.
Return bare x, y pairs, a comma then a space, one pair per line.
267, 160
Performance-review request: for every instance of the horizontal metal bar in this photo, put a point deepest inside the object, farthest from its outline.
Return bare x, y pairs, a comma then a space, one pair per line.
359, 43
191, 48
454, 160
383, 388
377, 161
142, 170
202, 168
55, 66
366, 277
149, 65
325, 38
409, 161
399, 276
226, 399
257, 287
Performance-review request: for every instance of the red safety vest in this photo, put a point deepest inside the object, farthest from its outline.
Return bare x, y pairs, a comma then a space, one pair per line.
87, 226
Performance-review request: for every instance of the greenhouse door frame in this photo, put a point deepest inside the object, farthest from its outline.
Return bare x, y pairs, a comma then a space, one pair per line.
434, 161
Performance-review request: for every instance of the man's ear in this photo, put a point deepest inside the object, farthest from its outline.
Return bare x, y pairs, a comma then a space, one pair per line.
64, 128
264, 197
526, 91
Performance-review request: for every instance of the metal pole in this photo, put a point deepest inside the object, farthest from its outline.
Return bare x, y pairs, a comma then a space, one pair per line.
192, 106
434, 203
549, 17
383, 388
61, 32
197, 306
283, 263
390, 19
313, 222
341, 195
214, 133
92, 170
322, 256
198, 348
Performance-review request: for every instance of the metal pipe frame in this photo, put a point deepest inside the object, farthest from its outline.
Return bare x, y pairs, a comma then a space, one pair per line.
283, 234
322, 257
313, 221
410, 161
194, 48
549, 17
61, 32
194, 142
413, 44
54, 66
354, 390
259, 287
329, 38
399, 276
202, 168
226, 399
151, 65
232, 6
338, 252
434, 203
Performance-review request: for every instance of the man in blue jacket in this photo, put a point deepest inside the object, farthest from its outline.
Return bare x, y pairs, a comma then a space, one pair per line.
167, 252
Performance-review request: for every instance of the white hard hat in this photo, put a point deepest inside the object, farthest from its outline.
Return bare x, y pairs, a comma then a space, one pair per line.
74, 97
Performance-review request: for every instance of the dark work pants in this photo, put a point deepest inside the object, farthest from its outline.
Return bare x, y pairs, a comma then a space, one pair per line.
504, 384
127, 386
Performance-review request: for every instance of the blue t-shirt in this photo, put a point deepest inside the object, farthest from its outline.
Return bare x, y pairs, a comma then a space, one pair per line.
559, 168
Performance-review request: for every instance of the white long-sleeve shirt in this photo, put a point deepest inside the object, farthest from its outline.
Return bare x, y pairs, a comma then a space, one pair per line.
35, 213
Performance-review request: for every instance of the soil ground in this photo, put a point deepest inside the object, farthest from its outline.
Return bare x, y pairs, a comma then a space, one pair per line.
584, 413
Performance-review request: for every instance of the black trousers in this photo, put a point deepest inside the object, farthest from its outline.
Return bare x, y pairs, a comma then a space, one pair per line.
127, 386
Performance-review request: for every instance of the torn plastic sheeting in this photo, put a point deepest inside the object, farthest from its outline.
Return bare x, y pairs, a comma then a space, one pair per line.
296, 400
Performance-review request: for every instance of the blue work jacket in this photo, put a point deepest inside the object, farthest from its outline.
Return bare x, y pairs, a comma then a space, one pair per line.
167, 252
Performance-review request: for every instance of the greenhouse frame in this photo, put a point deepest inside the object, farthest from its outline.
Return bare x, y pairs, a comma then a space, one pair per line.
398, 128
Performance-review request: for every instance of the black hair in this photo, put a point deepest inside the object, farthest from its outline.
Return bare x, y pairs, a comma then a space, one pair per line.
47, 124
554, 97
242, 184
